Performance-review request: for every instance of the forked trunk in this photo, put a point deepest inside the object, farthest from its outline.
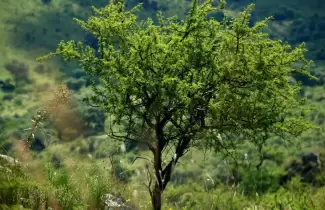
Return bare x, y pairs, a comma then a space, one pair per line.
162, 175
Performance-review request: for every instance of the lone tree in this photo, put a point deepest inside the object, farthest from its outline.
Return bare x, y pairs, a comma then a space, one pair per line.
183, 84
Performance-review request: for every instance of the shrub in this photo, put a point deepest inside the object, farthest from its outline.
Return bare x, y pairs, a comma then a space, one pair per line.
259, 182
17, 188
83, 148
42, 69
6, 86
75, 84
95, 121
19, 71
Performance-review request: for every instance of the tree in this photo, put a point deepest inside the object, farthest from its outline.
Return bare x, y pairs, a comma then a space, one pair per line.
191, 83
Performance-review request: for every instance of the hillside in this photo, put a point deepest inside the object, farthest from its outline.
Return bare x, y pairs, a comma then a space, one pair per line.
72, 148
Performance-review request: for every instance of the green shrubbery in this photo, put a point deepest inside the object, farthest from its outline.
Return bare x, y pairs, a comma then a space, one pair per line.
19, 71
258, 182
62, 187
18, 188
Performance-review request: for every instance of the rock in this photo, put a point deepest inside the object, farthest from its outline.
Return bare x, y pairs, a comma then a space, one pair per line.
4, 159
114, 202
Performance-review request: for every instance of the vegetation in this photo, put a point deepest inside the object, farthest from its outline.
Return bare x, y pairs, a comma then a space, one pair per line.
186, 84
233, 138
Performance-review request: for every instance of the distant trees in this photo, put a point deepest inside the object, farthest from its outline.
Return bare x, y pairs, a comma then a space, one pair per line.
311, 30
192, 83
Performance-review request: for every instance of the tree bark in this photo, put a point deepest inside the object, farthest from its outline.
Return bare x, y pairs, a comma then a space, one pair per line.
162, 175
163, 179
156, 198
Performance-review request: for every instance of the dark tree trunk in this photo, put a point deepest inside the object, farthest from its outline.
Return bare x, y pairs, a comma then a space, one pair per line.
163, 175
156, 197
163, 178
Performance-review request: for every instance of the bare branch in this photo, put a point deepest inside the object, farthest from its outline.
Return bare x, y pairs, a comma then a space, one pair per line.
139, 157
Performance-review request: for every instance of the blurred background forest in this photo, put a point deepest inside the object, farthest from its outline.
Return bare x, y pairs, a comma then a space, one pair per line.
71, 163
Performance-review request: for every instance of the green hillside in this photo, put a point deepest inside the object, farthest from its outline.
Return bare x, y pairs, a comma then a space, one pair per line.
71, 162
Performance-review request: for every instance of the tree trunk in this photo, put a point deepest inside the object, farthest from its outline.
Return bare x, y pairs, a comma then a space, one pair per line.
162, 175
156, 198
158, 189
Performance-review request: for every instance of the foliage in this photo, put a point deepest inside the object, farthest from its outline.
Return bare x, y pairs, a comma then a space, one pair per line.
94, 118
75, 84
61, 190
31, 28
17, 188
258, 182
198, 82
295, 195
19, 71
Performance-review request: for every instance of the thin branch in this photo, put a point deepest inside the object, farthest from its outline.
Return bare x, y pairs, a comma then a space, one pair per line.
149, 179
111, 156
139, 157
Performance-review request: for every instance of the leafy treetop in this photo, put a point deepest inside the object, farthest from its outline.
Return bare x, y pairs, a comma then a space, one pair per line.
187, 83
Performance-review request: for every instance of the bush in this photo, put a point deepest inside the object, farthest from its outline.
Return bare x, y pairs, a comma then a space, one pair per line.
259, 182
193, 196
17, 188
42, 69
6, 86
83, 148
19, 71
68, 123
75, 84
56, 161
57, 177
95, 121
121, 173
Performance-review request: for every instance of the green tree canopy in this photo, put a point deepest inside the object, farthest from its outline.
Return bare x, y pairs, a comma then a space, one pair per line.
195, 82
